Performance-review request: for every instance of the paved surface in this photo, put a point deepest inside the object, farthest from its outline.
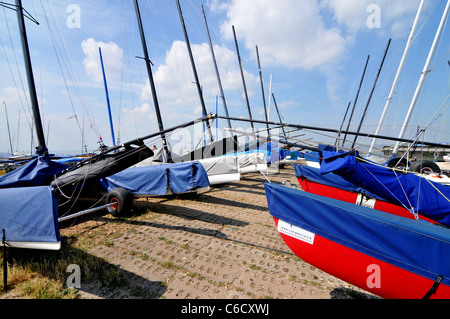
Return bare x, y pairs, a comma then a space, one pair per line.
219, 244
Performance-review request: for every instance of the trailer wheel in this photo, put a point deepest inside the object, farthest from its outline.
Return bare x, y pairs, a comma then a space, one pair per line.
393, 161
425, 167
122, 201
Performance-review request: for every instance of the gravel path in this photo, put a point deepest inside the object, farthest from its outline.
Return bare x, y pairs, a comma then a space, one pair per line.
221, 244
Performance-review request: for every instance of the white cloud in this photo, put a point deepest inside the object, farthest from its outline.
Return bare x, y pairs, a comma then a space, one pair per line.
396, 16
290, 33
112, 59
174, 80
217, 6
312, 35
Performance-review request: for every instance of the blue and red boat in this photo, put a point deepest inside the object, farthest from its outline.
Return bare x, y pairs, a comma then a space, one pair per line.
387, 255
334, 186
398, 247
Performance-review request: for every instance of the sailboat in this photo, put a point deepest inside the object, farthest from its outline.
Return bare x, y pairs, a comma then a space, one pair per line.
387, 255
29, 212
334, 186
218, 170
144, 179
30, 215
400, 251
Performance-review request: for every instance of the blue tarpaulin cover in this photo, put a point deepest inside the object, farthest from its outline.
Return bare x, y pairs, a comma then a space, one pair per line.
29, 214
425, 197
156, 179
417, 246
34, 173
329, 179
315, 156
274, 153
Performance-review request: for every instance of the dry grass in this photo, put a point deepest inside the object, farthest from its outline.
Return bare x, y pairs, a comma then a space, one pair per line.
37, 274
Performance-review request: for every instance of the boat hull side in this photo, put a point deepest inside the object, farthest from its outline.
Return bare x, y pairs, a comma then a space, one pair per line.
361, 270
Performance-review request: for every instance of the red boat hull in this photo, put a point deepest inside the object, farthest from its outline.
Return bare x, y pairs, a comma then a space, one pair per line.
351, 197
361, 270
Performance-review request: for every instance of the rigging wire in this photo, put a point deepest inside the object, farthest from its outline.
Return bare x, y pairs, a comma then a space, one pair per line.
19, 94
394, 170
56, 50
414, 39
412, 91
71, 70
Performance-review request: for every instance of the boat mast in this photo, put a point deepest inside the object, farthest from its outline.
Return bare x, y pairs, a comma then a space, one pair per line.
423, 75
342, 124
399, 71
197, 81
42, 148
336, 131
222, 95
243, 80
356, 99
279, 116
263, 95
371, 92
107, 98
150, 77
9, 133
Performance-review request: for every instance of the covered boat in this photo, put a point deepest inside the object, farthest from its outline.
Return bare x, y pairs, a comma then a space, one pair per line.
410, 190
387, 255
37, 172
334, 186
159, 180
29, 218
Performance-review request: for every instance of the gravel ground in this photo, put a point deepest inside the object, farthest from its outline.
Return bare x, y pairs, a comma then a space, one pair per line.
221, 244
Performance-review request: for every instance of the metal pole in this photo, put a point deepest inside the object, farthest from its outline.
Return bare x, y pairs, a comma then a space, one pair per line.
262, 91
222, 95
423, 75
9, 133
371, 93
399, 71
356, 99
324, 129
30, 78
342, 124
107, 98
84, 212
141, 139
5, 262
243, 80
197, 81
150, 77
279, 116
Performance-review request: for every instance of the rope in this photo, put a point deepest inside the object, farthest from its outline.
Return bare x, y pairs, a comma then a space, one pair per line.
437, 189
411, 209
71, 70
19, 75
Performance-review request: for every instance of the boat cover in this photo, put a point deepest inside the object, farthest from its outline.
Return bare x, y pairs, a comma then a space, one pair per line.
251, 162
312, 156
274, 153
221, 165
224, 146
417, 246
157, 179
330, 179
29, 214
315, 156
36, 172
414, 192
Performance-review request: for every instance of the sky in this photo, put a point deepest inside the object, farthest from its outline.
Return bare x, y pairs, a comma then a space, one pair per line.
312, 55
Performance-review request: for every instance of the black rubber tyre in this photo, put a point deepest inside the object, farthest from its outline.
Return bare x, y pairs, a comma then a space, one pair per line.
425, 166
122, 200
392, 162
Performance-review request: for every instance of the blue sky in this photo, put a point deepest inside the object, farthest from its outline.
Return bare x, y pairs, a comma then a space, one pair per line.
314, 51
